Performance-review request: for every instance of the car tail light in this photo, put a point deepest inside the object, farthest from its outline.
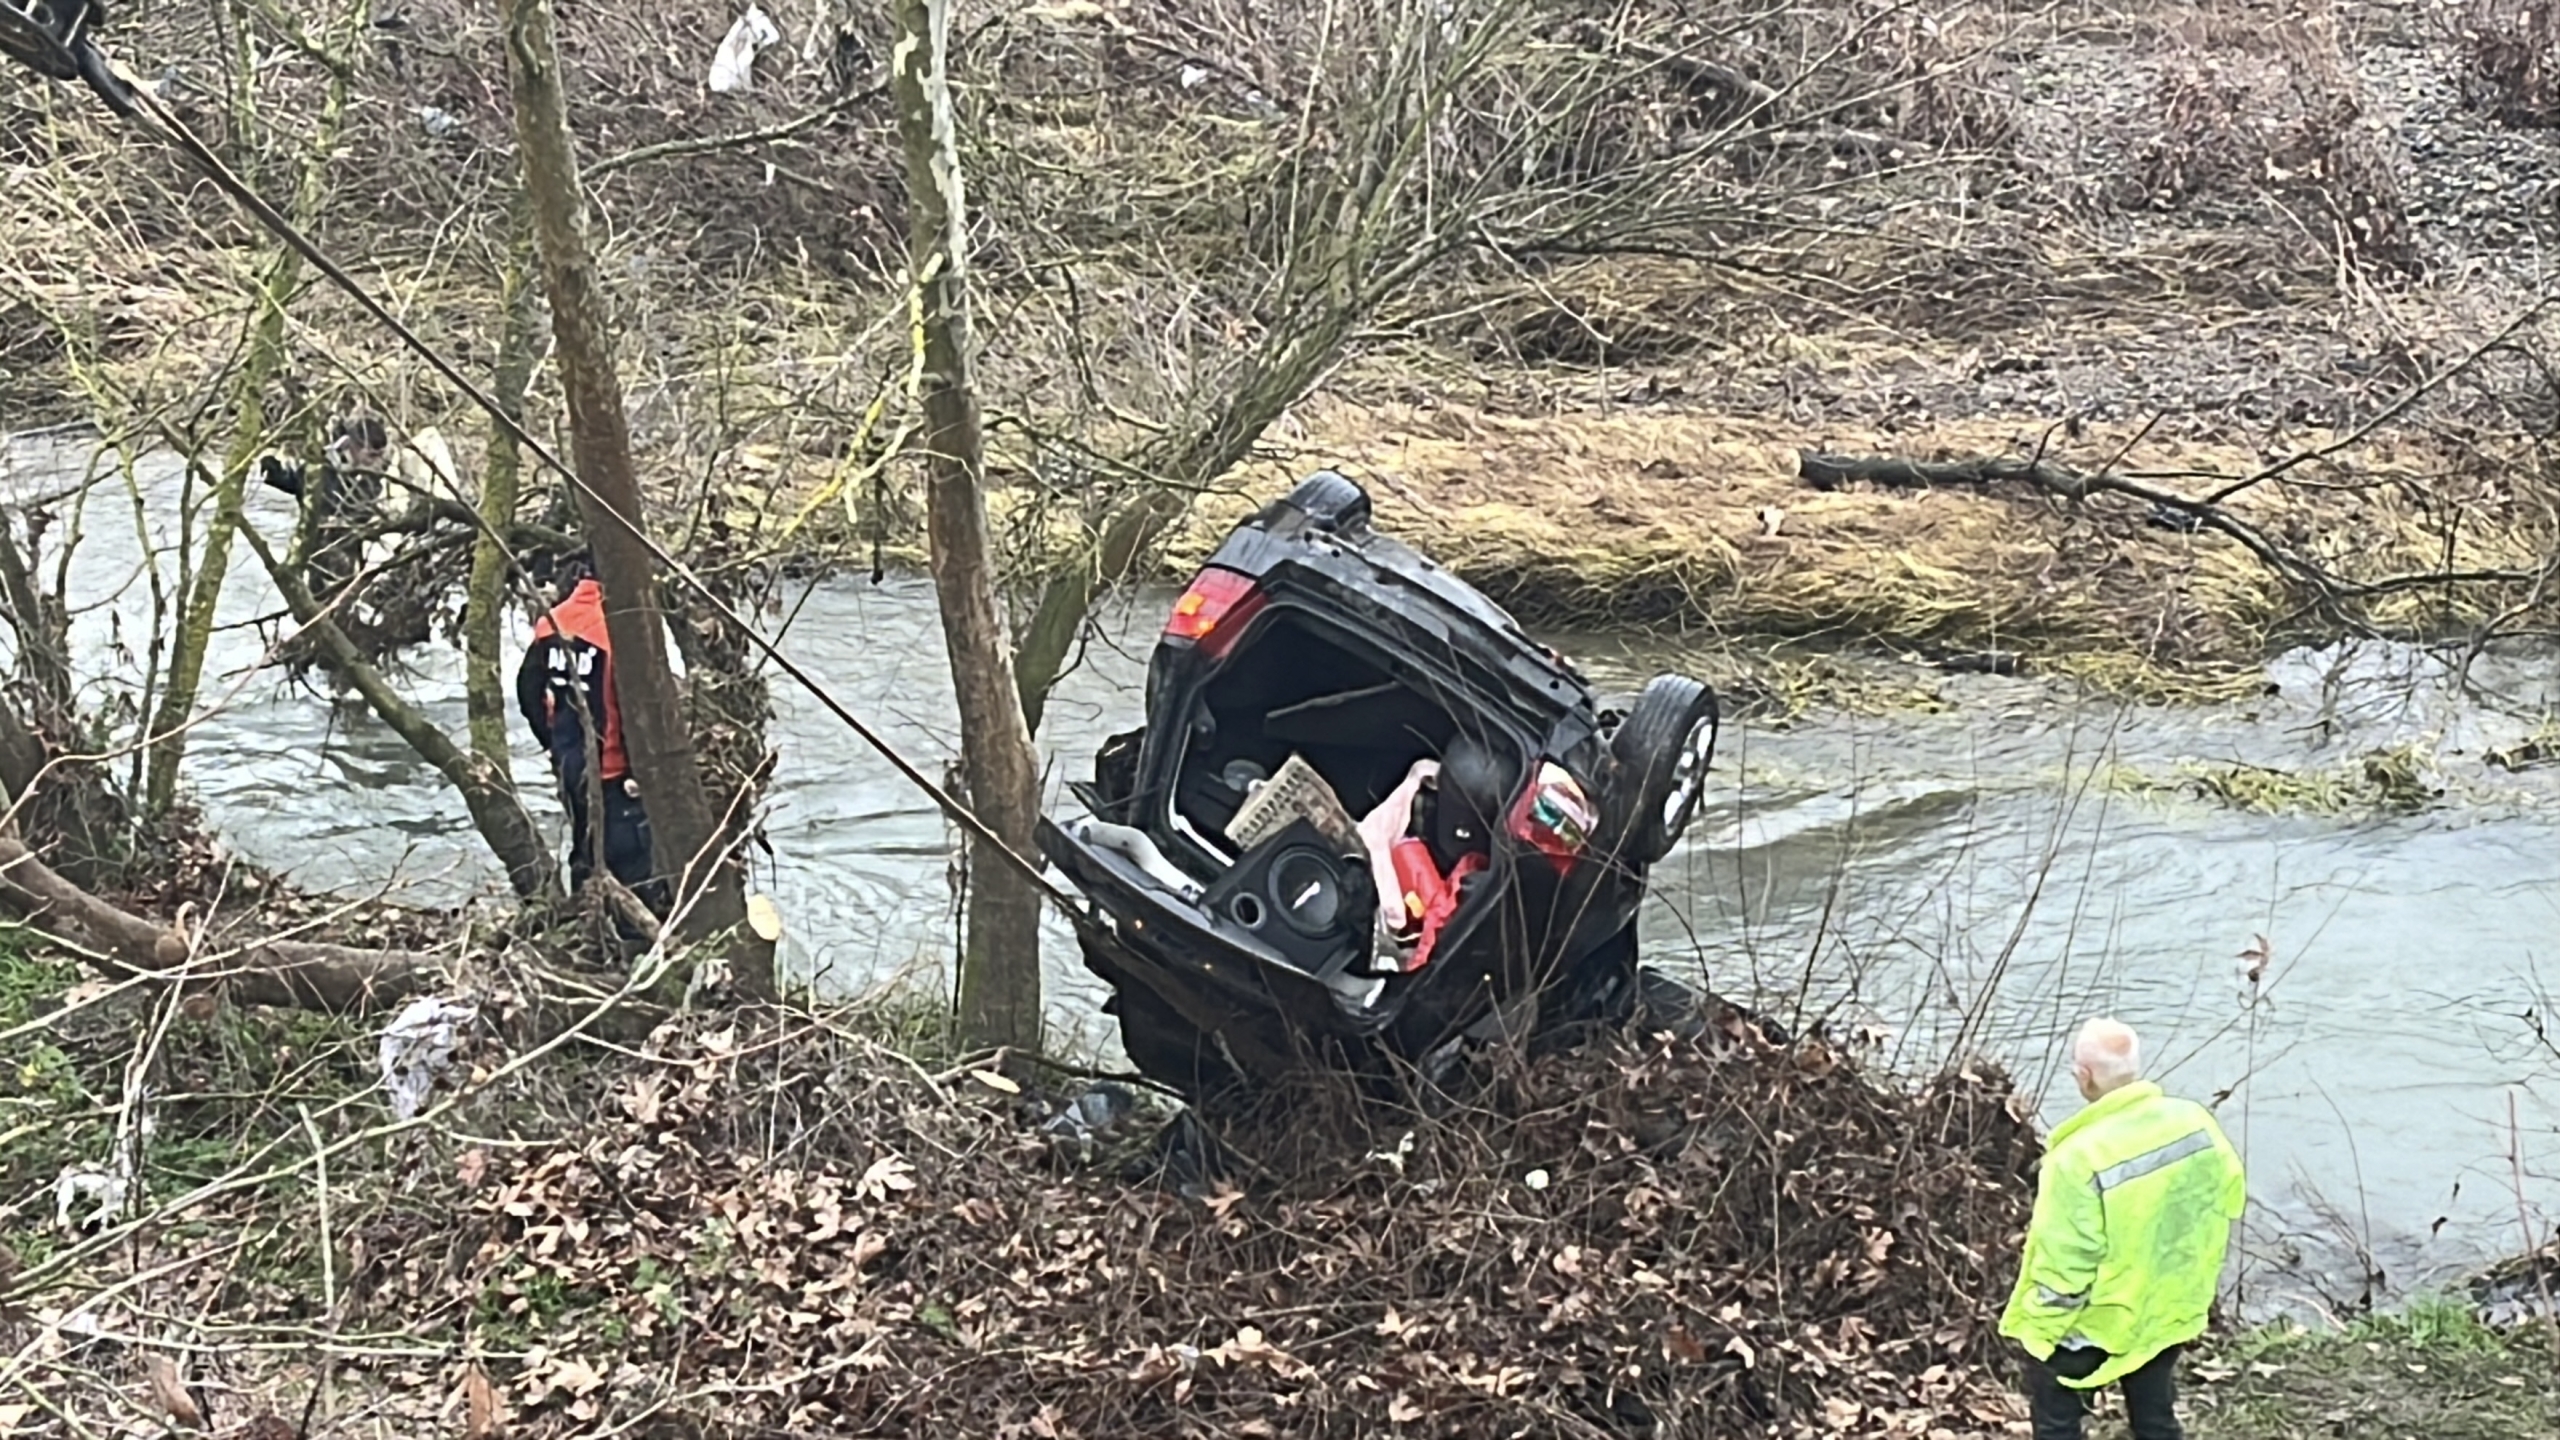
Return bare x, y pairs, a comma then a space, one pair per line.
1215, 607
1553, 816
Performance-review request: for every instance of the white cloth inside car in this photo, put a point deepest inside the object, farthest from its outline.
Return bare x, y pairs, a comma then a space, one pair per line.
1380, 829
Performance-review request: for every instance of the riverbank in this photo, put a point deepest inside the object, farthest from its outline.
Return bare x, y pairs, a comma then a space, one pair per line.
2430, 1370
827, 1220
1657, 515
806, 1220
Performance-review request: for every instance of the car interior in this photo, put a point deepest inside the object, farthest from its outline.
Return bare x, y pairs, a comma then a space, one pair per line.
1303, 687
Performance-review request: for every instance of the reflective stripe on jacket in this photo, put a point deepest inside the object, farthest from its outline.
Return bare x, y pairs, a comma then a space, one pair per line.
580, 654
2133, 1214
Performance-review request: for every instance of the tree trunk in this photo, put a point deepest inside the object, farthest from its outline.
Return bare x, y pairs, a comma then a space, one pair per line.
277, 972
40, 623
1000, 960
682, 820
1040, 660
1182, 464
73, 804
260, 363
484, 606
1185, 461
212, 562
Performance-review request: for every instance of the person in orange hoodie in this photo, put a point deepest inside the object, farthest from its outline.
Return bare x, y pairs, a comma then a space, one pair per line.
565, 681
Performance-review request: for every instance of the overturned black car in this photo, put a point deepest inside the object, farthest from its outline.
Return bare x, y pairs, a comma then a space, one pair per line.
1333, 721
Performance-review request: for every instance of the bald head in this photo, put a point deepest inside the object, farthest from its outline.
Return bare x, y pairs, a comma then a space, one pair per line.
2105, 1057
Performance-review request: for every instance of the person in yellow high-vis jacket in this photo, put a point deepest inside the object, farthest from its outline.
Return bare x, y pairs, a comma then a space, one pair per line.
2134, 1207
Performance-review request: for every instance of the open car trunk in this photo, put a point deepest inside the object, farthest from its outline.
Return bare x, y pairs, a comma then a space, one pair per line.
1298, 686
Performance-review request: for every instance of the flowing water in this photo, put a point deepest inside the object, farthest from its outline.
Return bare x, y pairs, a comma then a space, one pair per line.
1977, 879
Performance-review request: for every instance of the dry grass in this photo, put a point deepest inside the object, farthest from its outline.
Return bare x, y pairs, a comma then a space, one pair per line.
1576, 511
754, 347
2286, 126
1658, 516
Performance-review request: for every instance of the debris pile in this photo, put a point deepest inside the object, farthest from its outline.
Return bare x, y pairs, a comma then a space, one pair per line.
798, 1233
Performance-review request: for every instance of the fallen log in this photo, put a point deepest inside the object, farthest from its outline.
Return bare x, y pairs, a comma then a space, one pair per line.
1832, 472
303, 975
2330, 592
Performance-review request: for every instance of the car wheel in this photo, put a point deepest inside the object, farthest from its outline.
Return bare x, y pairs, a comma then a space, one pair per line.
1331, 501
1658, 766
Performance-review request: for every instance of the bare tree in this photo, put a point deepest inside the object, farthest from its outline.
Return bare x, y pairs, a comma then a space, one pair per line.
262, 363
501, 474
1000, 961
686, 831
1424, 163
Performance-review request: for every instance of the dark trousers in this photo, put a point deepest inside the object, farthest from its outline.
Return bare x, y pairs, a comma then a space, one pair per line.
2150, 1395
626, 842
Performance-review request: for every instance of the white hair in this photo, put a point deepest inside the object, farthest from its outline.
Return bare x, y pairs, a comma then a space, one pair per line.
2109, 1053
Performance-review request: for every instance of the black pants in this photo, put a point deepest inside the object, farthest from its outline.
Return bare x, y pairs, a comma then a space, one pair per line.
2150, 1395
626, 842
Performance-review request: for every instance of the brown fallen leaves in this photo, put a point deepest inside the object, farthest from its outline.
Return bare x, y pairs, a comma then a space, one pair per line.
1730, 1241
481, 1419
169, 1392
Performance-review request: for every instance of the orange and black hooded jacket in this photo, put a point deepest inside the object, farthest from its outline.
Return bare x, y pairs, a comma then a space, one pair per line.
572, 654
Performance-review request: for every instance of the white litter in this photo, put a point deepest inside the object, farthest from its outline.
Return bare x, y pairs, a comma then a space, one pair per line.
1134, 846
426, 463
733, 68
418, 1047
1358, 992
1396, 1157
107, 1191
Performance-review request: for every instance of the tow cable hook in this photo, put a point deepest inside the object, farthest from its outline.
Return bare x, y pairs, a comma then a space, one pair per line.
53, 38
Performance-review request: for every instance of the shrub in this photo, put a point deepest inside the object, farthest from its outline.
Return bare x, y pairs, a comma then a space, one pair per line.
2509, 59
2287, 128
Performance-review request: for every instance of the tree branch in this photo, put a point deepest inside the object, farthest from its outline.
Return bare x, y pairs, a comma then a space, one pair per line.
487, 792
2390, 412
706, 144
302, 975
1833, 472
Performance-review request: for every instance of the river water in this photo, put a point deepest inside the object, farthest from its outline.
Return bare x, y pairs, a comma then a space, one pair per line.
1976, 877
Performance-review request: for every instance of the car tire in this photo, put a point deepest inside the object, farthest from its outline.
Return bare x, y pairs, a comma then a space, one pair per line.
1331, 502
1658, 760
